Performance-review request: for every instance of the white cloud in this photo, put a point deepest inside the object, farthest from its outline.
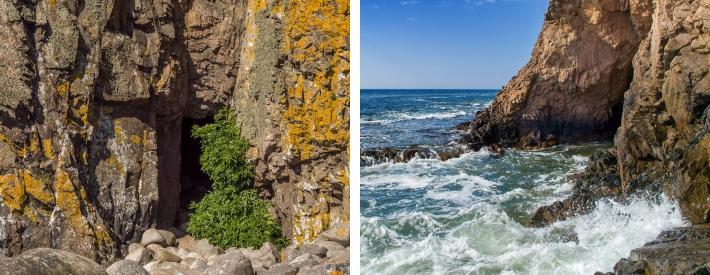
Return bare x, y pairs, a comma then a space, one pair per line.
410, 2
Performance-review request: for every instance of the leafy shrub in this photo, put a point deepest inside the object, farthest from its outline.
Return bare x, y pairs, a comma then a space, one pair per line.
224, 152
228, 218
231, 214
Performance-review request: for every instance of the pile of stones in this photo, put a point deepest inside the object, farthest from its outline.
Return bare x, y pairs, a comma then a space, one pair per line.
161, 252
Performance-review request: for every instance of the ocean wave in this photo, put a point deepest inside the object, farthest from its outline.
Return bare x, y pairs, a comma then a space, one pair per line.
398, 117
492, 243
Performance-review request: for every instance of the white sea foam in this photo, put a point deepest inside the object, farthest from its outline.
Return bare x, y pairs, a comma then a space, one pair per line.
461, 216
492, 243
397, 117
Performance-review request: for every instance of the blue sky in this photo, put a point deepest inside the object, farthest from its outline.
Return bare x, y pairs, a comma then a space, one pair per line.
446, 43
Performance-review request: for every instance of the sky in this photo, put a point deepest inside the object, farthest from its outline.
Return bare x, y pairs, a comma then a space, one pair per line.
446, 44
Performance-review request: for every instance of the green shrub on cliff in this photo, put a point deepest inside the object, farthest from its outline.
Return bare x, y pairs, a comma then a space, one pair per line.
224, 152
229, 218
231, 214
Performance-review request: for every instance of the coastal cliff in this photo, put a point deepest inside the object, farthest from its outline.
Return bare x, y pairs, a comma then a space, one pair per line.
98, 96
634, 69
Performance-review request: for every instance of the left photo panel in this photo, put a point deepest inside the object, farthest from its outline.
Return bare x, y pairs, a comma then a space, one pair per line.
174, 137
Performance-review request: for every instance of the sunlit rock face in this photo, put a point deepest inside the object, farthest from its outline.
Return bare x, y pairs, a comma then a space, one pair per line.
572, 89
94, 95
636, 70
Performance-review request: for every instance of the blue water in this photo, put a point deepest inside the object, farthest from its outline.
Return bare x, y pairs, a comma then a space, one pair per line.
398, 118
466, 215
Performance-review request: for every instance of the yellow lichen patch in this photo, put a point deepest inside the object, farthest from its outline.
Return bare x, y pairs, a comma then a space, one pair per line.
37, 189
69, 202
310, 222
63, 88
114, 163
118, 132
12, 192
317, 113
47, 149
34, 144
135, 139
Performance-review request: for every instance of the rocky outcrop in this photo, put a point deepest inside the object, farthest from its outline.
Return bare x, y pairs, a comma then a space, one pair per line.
683, 250
591, 55
663, 143
573, 86
95, 94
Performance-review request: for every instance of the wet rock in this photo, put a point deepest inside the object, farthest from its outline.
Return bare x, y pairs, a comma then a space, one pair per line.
678, 251
125, 267
599, 180
46, 261
233, 262
153, 236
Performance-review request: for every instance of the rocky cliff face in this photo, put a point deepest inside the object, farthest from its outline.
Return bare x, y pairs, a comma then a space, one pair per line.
662, 143
635, 65
94, 95
573, 86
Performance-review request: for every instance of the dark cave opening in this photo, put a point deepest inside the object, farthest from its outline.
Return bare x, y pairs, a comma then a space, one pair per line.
194, 183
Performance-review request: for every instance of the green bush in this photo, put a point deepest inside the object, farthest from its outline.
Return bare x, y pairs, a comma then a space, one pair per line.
228, 218
231, 214
224, 152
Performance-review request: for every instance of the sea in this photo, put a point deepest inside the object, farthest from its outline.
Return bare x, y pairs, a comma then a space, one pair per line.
467, 215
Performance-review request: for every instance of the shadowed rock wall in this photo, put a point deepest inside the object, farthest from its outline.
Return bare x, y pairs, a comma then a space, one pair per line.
93, 94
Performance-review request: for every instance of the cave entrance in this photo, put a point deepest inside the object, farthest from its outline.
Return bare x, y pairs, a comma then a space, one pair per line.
194, 183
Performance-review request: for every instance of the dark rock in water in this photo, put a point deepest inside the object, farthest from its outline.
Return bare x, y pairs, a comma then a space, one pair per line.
600, 180
383, 155
683, 250
374, 156
46, 261
418, 151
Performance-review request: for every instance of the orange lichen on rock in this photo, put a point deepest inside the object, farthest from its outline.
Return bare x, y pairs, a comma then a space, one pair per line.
318, 104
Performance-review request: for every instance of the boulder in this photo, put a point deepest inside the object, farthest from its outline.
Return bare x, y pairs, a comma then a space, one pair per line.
305, 260
153, 236
339, 234
206, 249
47, 261
168, 236
313, 249
126, 267
233, 263
280, 269
166, 256
140, 255
330, 245
132, 247
265, 257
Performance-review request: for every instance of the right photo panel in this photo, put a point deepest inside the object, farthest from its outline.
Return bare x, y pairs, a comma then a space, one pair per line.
535, 137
